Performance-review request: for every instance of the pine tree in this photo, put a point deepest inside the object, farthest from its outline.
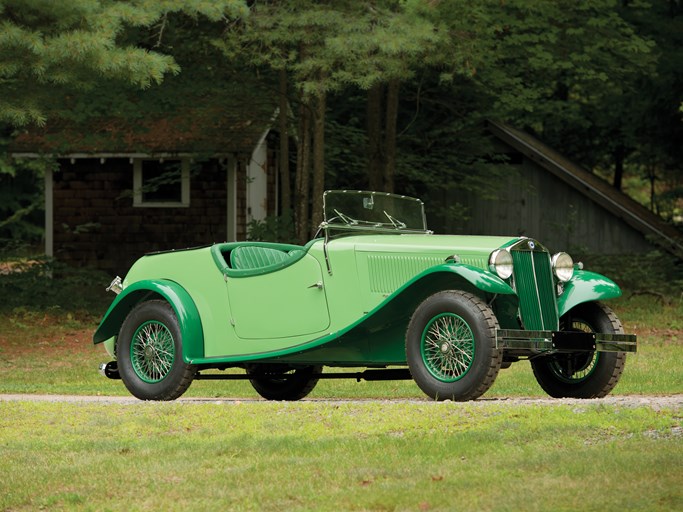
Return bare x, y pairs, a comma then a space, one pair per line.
47, 46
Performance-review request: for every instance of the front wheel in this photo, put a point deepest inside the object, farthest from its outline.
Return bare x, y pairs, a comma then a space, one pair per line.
451, 346
150, 355
277, 382
583, 374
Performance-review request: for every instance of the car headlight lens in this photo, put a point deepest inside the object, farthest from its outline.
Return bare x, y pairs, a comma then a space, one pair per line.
563, 266
500, 262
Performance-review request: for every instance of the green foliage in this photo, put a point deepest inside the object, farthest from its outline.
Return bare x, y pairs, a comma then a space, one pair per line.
46, 285
280, 228
47, 47
21, 203
657, 273
655, 152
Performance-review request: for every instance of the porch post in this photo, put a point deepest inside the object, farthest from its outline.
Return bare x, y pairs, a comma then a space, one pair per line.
231, 203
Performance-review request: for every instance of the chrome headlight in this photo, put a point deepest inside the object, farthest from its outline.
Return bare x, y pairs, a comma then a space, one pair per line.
500, 262
563, 266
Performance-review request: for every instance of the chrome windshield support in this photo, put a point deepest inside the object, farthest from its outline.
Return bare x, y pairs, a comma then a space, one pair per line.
327, 256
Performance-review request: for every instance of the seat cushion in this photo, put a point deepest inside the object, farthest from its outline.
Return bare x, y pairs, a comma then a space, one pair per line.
248, 257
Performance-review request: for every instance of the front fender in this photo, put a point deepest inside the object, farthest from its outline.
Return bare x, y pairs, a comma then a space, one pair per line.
181, 302
586, 287
474, 276
455, 276
378, 336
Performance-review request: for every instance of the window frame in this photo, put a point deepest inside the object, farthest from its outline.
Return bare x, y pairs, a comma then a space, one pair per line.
138, 200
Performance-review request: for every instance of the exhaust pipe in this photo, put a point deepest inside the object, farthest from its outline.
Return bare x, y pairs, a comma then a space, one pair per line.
110, 370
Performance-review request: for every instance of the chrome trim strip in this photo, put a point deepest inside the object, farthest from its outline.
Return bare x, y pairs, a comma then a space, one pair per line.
538, 296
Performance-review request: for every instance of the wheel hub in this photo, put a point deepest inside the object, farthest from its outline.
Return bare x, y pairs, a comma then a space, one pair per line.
445, 348
149, 352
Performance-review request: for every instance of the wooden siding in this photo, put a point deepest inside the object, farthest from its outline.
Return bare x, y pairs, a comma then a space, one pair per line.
533, 202
596, 190
95, 223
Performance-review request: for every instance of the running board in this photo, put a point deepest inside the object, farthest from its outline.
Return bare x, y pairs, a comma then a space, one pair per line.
368, 375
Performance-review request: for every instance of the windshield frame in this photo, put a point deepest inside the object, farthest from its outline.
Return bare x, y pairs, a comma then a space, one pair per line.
392, 222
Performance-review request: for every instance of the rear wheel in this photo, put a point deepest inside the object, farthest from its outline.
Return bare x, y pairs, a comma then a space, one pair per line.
150, 354
450, 346
280, 382
583, 374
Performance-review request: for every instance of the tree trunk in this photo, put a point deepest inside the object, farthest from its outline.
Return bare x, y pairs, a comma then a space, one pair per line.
389, 168
303, 165
652, 177
619, 154
318, 160
285, 185
374, 137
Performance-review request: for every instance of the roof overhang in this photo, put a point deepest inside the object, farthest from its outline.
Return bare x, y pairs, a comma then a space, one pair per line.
106, 155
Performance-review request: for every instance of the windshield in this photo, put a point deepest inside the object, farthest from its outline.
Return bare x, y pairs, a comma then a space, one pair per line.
375, 211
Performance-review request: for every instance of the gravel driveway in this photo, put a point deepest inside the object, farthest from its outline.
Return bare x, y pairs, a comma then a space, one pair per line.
654, 402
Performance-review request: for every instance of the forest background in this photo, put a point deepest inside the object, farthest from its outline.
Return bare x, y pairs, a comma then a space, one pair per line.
388, 95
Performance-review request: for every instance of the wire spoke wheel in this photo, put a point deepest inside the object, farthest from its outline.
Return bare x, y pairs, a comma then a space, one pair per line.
447, 347
152, 351
582, 374
451, 346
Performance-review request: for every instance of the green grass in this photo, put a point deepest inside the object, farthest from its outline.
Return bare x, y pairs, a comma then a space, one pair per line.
349, 456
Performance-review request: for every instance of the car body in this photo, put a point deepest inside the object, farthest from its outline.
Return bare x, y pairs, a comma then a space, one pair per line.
376, 290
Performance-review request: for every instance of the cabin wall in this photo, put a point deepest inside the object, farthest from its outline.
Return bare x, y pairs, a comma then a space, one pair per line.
533, 202
96, 224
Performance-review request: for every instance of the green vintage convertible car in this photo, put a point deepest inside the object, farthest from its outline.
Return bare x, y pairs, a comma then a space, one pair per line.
376, 291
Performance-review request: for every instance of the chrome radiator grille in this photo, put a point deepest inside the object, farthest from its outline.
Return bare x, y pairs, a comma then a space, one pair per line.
533, 281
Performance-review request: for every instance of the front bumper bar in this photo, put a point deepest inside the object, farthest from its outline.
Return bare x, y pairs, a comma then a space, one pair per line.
564, 341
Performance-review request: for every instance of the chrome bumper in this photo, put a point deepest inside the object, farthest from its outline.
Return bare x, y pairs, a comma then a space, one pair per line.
564, 341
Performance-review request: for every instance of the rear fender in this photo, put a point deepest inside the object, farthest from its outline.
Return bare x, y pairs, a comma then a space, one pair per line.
181, 302
586, 287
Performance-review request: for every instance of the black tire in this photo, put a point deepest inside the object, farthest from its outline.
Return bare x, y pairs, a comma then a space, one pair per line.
585, 374
149, 350
463, 364
279, 382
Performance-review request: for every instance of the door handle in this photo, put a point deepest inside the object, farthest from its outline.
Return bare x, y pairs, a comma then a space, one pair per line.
318, 285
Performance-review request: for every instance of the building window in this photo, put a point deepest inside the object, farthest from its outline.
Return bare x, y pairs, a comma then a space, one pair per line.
161, 183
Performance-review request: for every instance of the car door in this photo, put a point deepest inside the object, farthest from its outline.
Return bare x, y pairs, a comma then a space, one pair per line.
282, 304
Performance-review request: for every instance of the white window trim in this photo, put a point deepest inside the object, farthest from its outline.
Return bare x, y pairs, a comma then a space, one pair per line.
184, 186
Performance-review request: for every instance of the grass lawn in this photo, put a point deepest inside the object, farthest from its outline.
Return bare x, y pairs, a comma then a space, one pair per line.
362, 455
373, 455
